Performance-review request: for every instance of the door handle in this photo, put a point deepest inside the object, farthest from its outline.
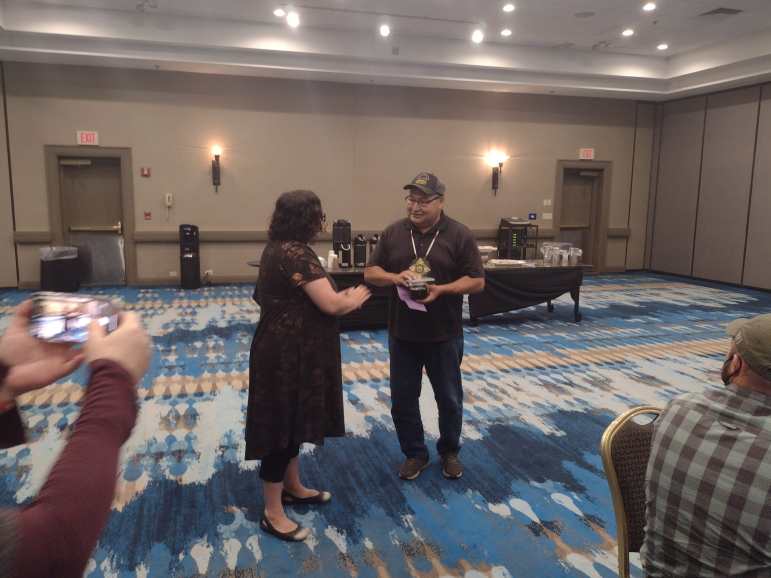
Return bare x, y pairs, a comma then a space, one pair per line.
117, 228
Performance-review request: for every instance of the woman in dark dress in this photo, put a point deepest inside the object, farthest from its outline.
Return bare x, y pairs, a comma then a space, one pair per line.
295, 380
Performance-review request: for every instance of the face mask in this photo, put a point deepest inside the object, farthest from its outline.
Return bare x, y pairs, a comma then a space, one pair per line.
724, 373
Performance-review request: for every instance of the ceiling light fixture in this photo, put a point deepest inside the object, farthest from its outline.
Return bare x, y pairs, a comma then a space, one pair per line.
293, 19
508, 7
477, 36
385, 30
145, 4
649, 6
663, 46
506, 32
279, 13
628, 32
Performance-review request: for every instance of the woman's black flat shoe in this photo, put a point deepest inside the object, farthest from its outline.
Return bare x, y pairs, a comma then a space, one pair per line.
322, 497
297, 535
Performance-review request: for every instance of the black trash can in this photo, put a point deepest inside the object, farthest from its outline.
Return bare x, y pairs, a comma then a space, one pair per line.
189, 257
60, 269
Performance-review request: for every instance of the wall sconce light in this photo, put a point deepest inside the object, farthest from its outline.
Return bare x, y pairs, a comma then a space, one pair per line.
495, 159
216, 151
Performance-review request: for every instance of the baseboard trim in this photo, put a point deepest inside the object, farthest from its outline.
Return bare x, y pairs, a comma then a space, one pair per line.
694, 278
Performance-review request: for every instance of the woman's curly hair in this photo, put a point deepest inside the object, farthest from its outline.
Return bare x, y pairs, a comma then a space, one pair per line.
297, 217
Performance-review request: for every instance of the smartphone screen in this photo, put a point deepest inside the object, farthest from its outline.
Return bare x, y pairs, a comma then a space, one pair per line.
64, 317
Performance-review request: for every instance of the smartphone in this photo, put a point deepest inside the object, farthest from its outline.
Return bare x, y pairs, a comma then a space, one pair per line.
65, 317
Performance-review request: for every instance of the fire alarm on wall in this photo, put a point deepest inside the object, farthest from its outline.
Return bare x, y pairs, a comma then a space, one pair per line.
145, 171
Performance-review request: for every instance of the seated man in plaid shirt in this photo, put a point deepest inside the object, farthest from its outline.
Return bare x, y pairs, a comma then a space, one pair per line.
708, 484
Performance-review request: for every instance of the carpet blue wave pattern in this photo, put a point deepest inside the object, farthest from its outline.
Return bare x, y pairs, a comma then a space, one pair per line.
533, 502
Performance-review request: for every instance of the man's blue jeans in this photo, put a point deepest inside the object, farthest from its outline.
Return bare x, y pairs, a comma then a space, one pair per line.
442, 362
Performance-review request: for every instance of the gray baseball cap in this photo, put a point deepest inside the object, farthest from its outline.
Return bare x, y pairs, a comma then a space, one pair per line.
752, 338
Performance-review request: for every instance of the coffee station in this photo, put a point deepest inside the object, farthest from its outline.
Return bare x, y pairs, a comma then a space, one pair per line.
520, 271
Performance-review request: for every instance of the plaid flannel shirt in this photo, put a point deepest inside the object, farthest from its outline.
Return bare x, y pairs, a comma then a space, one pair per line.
708, 487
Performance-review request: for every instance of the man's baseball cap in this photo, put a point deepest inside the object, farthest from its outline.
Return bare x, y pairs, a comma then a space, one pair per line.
426, 183
753, 342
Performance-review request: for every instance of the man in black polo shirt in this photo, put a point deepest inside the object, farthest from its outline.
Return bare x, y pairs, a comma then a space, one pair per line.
429, 333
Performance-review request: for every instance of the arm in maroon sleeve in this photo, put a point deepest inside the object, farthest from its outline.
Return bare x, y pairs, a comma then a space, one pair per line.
58, 531
11, 427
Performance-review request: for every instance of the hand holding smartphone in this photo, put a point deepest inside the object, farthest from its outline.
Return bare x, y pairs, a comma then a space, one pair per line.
65, 317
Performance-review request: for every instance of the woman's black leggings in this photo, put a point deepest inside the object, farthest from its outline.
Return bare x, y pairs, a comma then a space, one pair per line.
273, 466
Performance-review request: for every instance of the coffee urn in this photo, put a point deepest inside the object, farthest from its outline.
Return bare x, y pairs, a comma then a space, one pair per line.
360, 251
341, 243
373, 241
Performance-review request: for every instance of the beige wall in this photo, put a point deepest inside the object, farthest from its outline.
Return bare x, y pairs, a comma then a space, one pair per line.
757, 269
641, 182
355, 145
677, 195
713, 188
7, 250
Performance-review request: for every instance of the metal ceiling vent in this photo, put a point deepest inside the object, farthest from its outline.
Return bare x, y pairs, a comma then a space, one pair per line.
722, 12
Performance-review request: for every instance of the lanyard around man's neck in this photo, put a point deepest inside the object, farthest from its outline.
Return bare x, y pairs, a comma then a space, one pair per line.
414, 250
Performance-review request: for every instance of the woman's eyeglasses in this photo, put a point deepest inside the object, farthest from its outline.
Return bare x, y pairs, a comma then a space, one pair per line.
420, 202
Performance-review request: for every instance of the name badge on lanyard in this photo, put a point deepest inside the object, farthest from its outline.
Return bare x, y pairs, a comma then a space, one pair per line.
420, 265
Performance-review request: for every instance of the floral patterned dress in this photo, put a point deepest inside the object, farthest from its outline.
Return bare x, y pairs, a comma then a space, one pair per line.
295, 379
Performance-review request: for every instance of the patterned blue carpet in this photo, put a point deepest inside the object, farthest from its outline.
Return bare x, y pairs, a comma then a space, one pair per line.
540, 389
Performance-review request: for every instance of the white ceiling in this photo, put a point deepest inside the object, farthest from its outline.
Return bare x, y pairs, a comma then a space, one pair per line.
550, 50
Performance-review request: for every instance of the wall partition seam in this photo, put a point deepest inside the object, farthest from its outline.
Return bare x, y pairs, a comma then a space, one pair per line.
698, 187
660, 124
752, 180
653, 185
10, 170
631, 181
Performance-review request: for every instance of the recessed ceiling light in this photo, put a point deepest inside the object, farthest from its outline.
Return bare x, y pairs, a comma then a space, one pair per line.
385, 30
293, 19
628, 32
279, 13
477, 36
508, 7
506, 32
649, 6
663, 46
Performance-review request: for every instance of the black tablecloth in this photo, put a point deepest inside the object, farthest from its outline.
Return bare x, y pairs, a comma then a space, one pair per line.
506, 289
374, 313
512, 288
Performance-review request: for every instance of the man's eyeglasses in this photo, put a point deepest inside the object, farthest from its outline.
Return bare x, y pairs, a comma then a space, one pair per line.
420, 202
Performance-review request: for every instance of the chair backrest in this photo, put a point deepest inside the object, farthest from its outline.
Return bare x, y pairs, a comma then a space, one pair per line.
625, 449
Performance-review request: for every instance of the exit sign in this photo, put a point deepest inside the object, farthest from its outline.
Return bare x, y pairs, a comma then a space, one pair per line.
87, 137
586, 154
